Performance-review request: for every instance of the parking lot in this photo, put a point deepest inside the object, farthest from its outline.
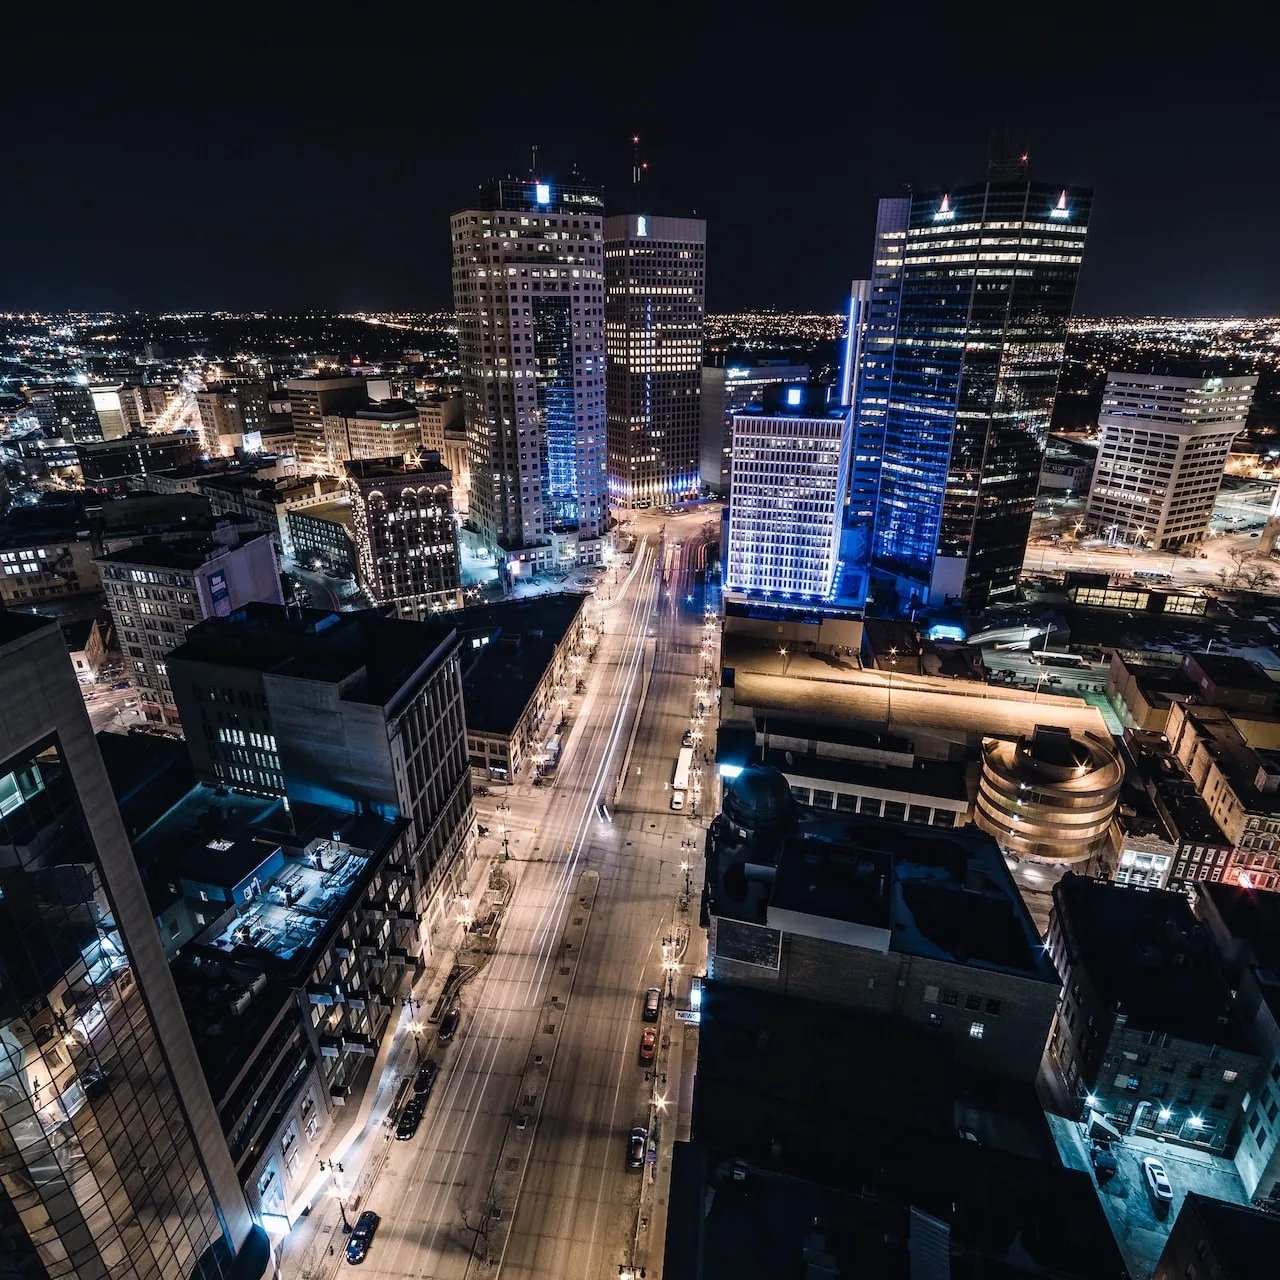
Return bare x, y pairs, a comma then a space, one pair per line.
1140, 1232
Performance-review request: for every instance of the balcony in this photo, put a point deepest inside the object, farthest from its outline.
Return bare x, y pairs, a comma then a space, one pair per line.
352, 1043
320, 992
330, 1046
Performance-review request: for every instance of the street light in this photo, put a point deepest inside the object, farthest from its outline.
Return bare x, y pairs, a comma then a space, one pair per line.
893, 664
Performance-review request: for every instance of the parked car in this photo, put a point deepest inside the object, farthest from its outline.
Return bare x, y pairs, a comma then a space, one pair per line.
1103, 1160
652, 1004
120, 684
481, 829
1158, 1183
677, 801
362, 1236
635, 1148
94, 1081
425, 1080
410, 1116
687, 740
449, 1025
648, 1044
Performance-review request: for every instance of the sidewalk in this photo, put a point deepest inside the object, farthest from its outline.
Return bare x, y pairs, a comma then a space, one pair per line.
360, 1143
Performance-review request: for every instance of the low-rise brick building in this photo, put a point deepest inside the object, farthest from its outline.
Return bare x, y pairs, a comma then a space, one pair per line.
1148, 1033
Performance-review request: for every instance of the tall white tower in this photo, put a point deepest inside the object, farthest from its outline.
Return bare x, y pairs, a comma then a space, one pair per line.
1164, 446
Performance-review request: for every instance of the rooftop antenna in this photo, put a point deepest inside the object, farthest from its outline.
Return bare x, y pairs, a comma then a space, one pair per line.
535, 160
1007, 161
639, 167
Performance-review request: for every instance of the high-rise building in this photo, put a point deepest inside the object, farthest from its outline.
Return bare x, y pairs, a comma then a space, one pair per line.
790, 468
655, 290
310, 399
66, 409
229, 411
1164, 447
350, 711
726, 390
384, 429
406, 538
986, 285
869, 360
157, 591
117, 465
110, 408
115, 1163
528, 288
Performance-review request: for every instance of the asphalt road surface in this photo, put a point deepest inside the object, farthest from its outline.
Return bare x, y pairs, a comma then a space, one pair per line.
576, 1210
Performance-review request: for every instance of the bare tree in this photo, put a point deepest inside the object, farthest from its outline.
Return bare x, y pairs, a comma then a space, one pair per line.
478, 1219
1240, 571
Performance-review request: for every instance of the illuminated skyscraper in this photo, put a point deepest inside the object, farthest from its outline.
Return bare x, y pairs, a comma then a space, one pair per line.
114, 1160
528, 288
987, 282
727, 390
655, 274
1164, 447
790, 467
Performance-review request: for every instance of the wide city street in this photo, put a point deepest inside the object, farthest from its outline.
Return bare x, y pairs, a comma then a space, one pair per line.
520, 1164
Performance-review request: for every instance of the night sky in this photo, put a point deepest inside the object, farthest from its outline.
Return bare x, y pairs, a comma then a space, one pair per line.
333, 193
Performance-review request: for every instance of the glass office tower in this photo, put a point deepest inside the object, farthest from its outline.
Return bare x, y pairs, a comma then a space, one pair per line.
112, 1163
986, 285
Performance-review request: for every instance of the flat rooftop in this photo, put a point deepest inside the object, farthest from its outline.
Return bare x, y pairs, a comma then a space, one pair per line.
845, 1122
18, 626
292, 906
937, 892
177, 553
920, 702
1236, 758
333, 512
507, 648
940, 779
370, 656
1148, 958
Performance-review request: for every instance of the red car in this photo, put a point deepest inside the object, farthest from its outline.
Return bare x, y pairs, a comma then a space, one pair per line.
648, 1044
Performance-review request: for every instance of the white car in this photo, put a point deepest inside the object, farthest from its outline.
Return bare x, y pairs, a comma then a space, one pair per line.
677, 800
1157, 1180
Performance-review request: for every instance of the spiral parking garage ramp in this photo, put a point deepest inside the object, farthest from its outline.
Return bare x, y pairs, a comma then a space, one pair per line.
1050, 796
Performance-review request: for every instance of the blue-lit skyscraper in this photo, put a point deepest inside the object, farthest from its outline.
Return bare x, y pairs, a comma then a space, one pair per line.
528, 288
959, 401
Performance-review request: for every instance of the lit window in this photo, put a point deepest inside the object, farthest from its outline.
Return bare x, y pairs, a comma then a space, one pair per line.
977, 1030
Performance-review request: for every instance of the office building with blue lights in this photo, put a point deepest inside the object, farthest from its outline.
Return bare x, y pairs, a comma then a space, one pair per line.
787, 497
528, 287
655, 274
966, 323
726, 390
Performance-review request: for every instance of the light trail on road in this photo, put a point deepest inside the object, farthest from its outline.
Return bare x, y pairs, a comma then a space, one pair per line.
474, 1083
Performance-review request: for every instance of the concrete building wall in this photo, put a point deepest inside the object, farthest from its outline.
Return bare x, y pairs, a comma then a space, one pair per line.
1014, 1013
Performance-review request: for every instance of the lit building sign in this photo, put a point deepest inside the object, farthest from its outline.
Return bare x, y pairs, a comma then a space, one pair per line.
793, 395
1060, 210
642, 226
542, 193
945, 210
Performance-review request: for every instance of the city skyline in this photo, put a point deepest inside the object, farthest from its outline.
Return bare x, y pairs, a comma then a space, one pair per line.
1089, 113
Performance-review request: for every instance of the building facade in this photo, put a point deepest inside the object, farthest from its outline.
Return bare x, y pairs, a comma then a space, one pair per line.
228, 412
351, 712
310, 400
323, 537
384, 429
406, 538
655, 291
116, 464
115, 1163
157, 591
528, 289
987, 283
36, 565
1164, 446
66, 410
1147, 1033
726, 390
786, 505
